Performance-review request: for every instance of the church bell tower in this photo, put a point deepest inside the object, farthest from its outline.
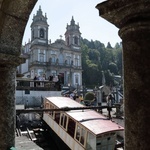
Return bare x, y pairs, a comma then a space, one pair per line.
39, 44
39, 28
73, 35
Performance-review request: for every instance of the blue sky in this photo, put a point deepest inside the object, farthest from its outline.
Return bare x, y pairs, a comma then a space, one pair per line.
60, 12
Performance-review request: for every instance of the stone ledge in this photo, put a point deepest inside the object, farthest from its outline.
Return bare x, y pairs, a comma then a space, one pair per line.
124, 12
7, 60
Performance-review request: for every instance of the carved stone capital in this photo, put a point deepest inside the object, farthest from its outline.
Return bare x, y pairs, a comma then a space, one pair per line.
7, 61
125, 12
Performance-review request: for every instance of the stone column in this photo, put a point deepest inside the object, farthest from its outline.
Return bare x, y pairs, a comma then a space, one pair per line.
13, 19
133, 19
8, 65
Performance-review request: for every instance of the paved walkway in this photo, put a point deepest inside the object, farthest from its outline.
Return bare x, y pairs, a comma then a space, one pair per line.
41, 140
23, 143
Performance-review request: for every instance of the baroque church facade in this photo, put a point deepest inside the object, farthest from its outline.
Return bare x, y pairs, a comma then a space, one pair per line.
61, 58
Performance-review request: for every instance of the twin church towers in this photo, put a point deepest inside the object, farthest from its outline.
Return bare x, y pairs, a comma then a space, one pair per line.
61, 58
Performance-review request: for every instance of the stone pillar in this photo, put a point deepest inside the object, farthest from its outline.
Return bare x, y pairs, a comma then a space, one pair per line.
133, 19
8, 65
7, 107
13, 19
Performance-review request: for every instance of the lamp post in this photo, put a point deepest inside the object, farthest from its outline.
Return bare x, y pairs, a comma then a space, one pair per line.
78, 88
69, 87
84, 90
70, 79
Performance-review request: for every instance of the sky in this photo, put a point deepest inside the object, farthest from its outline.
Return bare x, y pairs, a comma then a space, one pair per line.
59, 13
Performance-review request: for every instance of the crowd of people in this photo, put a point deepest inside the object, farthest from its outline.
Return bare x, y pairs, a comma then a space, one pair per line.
94, 102
43, 78
75, 96
80, 99
39, 78
51, 78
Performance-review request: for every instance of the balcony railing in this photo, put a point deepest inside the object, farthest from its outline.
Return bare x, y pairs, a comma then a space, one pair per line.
38, 63
56, 64
37, 85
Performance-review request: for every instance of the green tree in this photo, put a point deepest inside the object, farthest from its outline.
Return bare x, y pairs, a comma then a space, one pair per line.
109, 45
94, 55
109, 78
119, 61
95, 58
106, 58
113, 68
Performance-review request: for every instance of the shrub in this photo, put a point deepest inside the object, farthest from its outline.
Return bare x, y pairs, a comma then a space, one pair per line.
89, 96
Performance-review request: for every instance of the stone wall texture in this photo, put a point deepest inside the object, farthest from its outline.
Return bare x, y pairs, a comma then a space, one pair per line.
14, 15
133, 19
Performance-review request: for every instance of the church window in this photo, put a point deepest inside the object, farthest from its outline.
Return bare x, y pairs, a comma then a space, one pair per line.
41, 33
76, 61
69, 78
69, 60
53, 59
76, 40
41, 56
76, 78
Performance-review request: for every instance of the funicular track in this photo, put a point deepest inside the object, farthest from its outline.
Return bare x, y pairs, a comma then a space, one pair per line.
35, 132
38, 133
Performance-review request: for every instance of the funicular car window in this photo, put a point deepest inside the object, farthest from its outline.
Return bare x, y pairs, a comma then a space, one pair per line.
80, 134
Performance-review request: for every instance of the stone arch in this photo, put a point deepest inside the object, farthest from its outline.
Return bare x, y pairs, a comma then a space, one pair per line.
13, 19
14, 16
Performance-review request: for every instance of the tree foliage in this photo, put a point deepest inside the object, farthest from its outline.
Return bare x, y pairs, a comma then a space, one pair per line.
97, 58
89, 96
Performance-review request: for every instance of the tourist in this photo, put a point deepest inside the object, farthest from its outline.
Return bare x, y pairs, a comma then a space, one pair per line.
77, 99
50, 78
35, 78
